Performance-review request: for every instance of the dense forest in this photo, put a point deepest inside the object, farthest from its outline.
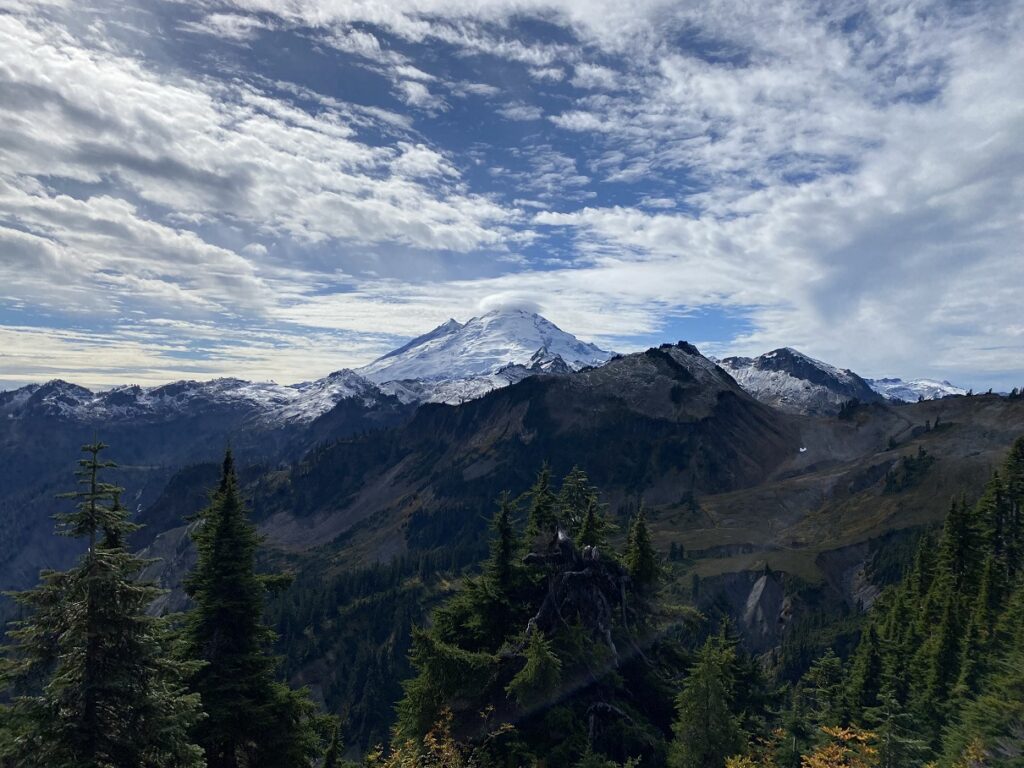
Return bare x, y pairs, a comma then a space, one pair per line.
565, 643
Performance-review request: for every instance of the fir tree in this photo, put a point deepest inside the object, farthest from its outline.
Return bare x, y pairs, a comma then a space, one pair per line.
541, 674
252, 721
500, 570
865, 682
574, 499
93, 682
796, 730
706, 730
543, 506
332, 757
641, 560
823, 684
595, 529
979, 631
940, 671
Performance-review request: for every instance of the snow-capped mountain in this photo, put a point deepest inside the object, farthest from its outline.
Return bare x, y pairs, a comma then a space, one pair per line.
792, 381
461, 361
269, 402
915, 389
453, 363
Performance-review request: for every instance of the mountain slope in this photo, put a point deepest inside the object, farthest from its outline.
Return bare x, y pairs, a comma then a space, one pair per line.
266, 402
664, 423
154, 432
915, 389
456, 361
794, 382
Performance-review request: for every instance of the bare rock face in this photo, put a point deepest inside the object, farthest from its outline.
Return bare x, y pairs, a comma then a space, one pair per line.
766, 609
756, 601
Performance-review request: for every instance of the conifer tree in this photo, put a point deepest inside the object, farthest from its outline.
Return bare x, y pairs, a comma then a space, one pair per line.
253, 721
979, 631
543, 508
500, 569
1013, 472
823, 684
574, 498
796, 730
866, 672
595, 529
541, 674
706, 730
332, 757
641, 560
93, 683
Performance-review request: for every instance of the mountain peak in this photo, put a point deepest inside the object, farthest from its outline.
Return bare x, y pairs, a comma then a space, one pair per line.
914, 389
483, 347
791, 380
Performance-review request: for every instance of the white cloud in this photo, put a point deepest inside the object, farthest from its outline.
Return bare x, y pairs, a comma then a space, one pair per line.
416, 94
594, 76
521, 111
550, 74
228, 26
831, 172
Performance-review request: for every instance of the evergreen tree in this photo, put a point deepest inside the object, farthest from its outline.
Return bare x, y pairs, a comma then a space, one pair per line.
574, 498
501, 569
979, 631
895, 733
865, 682
823, 684
796, 730
332, 757
1013, 472
641, 560
93, 683
706, 730
541, 674
253, 721
595, 528
543, 506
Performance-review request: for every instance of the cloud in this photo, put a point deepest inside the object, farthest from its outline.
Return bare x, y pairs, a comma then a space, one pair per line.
228, 26
521, 111
416, 94
550, 74
826, 173
508, 302
594, 76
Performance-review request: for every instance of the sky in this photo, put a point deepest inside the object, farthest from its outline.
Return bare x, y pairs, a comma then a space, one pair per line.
276, 189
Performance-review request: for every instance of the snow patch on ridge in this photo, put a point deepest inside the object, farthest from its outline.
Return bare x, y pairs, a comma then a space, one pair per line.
915, 389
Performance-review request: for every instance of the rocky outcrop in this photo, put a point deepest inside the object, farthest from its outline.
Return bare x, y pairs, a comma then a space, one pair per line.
756, 602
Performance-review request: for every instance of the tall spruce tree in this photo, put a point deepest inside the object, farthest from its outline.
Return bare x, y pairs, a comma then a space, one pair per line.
595, 528
253, 721
93, 682
866, 672
823, 685
641, 560
574, 498
706, 730
500, 570
543, 506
